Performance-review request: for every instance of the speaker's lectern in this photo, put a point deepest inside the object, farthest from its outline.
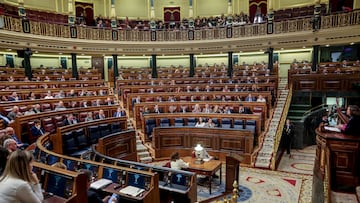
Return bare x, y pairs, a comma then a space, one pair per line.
232, 170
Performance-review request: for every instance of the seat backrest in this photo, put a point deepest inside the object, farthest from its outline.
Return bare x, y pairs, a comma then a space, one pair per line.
164, 122
179, 122
239, 123
251, 122
191, 122
94, 134
225, 123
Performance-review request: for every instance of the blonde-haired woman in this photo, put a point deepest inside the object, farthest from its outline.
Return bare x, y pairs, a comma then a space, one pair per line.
18, 183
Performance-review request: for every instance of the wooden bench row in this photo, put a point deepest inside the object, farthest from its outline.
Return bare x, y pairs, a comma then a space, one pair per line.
155, 176
197, 96
46, 70
194, 80
255, 107
51, 84
235, 121
24, 94
51, 120
40, 77
50, 104
121, 176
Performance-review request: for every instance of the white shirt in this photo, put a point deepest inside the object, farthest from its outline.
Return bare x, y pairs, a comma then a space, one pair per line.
200, 124
179, 164
13, 190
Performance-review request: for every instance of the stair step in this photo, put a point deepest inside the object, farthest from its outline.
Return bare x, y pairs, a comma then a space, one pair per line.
146, 160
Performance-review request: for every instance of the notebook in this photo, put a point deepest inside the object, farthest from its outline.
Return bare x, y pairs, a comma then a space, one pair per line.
132, 191
333, 129
101, 183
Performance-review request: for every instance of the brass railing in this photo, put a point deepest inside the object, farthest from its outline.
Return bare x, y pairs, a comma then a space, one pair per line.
280, 128
91, 33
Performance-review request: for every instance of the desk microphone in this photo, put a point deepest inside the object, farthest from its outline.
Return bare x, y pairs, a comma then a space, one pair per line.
117, 187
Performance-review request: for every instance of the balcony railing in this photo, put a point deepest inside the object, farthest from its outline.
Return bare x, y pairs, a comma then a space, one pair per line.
90, 33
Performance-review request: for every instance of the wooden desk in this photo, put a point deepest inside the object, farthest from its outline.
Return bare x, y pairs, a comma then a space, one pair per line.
208, 168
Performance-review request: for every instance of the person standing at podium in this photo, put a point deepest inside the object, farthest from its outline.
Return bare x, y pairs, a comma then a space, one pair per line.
352, 127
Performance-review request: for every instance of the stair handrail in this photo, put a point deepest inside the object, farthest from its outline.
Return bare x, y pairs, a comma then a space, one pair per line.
314, 108
280, 128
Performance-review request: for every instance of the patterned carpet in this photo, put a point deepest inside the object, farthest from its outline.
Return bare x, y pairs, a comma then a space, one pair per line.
266, 186
291, 183
301, 161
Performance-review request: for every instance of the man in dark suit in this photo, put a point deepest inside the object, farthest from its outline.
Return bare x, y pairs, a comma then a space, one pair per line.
70, 119
250, 98
156, 109
288, 135
93, 195
100, 115
36, 129
119, 113
244, 110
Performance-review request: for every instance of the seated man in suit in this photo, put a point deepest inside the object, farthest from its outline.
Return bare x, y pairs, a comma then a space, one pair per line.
157, 109
119, 112
70, 119
244, 110
11, 133
250, 98
36, 129
100, 115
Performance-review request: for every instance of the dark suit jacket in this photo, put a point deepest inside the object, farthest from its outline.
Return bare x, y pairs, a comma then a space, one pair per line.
122, 113
93, 197
246, 111
98, 117
67, 122
352, 127
36, 132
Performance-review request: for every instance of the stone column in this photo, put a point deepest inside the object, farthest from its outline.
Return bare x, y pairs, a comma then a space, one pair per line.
115, 69
75, 73
192, 65
315, 58
153, 66
230, 64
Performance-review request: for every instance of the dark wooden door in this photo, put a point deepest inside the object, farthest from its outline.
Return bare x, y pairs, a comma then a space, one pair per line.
98, 63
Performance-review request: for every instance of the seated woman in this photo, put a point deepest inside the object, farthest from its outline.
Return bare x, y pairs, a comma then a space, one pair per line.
177, 163
200, 123
352, 127
18, 183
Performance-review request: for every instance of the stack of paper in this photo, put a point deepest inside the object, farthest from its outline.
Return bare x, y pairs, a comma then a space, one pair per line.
101, 183
132, 191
